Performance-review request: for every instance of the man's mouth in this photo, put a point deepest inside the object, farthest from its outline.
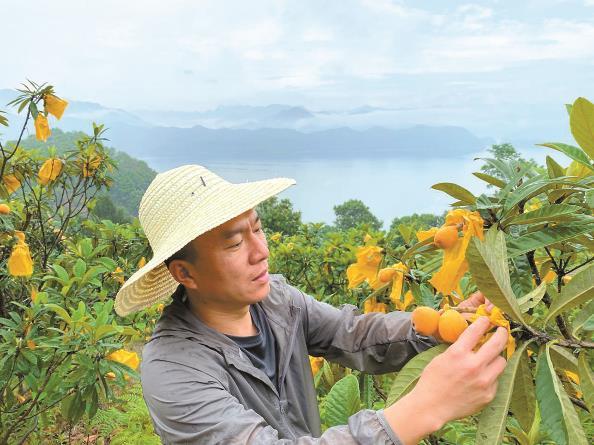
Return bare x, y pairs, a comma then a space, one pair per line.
263, 276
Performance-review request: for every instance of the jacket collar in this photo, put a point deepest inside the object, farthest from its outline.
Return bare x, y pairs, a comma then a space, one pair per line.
178, 320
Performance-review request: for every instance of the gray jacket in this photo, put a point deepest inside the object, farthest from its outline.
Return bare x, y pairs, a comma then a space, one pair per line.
201, 389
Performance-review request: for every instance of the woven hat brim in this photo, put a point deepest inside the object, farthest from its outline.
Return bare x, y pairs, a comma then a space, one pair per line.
153, 282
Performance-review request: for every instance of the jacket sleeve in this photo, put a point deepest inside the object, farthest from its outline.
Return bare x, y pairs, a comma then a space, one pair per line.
375, 343
202, 411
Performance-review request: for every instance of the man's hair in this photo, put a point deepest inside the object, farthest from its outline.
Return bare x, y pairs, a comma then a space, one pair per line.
186, 253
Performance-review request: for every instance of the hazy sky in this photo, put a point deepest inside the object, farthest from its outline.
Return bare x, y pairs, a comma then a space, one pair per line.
478, 64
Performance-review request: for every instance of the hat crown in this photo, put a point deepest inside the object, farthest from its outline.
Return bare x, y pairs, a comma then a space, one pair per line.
171, 197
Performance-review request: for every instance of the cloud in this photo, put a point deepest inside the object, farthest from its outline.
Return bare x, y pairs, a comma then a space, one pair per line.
189, 55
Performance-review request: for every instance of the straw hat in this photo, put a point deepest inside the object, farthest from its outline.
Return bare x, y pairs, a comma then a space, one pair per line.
179, 205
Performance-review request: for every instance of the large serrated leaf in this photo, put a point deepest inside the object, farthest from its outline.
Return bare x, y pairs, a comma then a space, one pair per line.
557, 412
586, 380
455, 191
493, 418
487, 261
581, 122
553, 212
523, 402
342, 401
545, 237
578, 291
410, 373
575, 153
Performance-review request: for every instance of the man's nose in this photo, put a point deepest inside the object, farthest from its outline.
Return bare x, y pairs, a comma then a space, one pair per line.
260, 248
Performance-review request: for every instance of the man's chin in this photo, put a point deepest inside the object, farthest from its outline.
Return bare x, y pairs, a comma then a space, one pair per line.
261, 293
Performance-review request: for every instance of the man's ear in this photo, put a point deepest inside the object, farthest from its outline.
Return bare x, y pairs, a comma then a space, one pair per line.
182, 273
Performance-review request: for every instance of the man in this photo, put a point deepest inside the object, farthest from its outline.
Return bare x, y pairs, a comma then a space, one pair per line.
228, 361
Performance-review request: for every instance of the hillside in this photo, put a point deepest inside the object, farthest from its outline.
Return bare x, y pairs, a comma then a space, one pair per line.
131, 178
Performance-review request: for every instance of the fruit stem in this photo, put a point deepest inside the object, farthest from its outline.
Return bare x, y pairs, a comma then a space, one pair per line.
469, 309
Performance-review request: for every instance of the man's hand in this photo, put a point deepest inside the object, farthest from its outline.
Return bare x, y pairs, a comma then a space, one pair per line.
475, 300
455, 384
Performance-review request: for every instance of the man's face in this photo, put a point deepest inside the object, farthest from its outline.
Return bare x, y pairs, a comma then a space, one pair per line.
231, 270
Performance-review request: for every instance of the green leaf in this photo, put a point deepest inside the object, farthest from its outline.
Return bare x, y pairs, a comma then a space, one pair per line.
407, 377
106, 331
532, 298
493, 418
504, 168
558, 415
562, 359
568, 108
80, 267
553, 212
61, 273
589, 195
406, 232
368, 396
73, 407
327, 373
535, 187
575, 153
583, 318
490, 179
455, 191
523, 402
586, 380
487, 261
581, 122
578, 291
545, 237
342, 401
60, 311
554, 169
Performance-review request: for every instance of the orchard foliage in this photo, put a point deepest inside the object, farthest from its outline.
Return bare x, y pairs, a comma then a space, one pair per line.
62, 348
529, 247
65, 356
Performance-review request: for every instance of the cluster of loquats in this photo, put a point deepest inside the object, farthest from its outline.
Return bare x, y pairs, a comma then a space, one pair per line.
128, 358
447, 279
118, 275
448, 323
367, 270
372, 305
49, 171
20, 263
316, 364
52, 105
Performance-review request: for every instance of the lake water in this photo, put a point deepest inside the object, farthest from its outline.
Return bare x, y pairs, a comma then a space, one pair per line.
390, 187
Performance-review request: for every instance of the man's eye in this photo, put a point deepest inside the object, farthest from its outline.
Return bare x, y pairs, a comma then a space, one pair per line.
237, 245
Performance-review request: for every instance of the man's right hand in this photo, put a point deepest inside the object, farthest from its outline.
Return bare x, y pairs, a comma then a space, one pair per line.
454, 384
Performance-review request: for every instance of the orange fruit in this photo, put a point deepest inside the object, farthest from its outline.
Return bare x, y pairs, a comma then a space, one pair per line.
4, 209
425, 320
451, 325
446, 237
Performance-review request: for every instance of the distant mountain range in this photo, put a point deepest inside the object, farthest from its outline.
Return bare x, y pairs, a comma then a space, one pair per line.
274, 132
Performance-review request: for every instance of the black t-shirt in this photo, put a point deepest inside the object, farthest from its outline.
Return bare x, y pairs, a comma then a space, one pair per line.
260, 348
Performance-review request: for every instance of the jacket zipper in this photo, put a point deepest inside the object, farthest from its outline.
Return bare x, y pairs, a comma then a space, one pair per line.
282, 401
